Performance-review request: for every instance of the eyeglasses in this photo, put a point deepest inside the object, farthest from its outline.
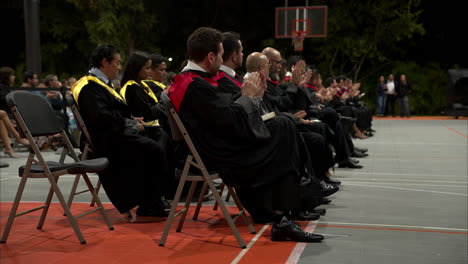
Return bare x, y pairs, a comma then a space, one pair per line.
276, 61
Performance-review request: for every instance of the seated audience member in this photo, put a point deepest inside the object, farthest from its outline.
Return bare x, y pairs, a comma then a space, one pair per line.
137, 172
157, 75
253, 156
7, 79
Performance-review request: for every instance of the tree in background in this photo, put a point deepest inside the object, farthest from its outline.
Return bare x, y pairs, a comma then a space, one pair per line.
365, 36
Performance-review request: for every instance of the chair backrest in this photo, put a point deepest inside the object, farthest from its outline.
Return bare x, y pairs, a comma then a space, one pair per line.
79, 120
36, 112
178, 129
175, 130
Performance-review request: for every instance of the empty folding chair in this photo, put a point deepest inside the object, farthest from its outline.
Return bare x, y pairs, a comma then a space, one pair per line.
193, 159
35, 117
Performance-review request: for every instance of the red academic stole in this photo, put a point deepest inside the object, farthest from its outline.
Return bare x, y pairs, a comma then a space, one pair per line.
180, 85
311, 87
273, 82
222, 74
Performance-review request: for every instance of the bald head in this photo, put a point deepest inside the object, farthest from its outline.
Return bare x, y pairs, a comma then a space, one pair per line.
274, 56
257, 61
254, 61
271, 53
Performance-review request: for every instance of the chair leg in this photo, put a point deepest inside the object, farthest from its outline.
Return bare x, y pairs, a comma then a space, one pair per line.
226, 213
241, 210
186, 206
203, 192
14, 209
68, 213
175, 203
98, 201
46, 208
73, 190
96, 189
221, 190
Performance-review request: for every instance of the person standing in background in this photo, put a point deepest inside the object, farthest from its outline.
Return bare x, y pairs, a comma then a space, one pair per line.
403, 90
391, 95
381, 89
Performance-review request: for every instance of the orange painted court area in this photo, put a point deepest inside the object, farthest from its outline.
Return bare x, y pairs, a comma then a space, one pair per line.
133, 240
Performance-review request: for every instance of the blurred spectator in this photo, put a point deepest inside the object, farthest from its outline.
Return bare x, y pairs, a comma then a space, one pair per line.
391, 95
381, 89
7, 79
403, 90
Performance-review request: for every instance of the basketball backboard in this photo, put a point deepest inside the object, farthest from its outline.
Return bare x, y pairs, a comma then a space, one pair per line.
310, 21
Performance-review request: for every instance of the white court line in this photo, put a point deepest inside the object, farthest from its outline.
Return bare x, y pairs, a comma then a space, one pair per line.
402, 180
5, 179
406, 184
408, 174
245, 250
299, 248
406, 226
409, 143
407, 189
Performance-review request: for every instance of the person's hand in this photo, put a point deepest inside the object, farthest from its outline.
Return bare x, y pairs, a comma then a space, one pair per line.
52, 94
297, 72
306, 122
305, 78
139, 124
301, 114
252, 85
345, 96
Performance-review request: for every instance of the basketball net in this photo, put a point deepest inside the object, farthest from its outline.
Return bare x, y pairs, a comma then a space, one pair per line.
298, 40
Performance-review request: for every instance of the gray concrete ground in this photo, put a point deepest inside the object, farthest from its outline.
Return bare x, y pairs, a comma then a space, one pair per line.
415, 179
409, 203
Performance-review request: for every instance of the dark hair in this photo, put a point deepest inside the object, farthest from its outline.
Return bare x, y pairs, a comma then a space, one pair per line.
203, 41
230, 44
104, 51
5, 73
340, 78
28, 75
48, 79
329, 81
135, 62
156, 59
293, 60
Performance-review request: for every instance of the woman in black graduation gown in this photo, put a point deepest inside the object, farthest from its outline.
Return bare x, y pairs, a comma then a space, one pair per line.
143, 102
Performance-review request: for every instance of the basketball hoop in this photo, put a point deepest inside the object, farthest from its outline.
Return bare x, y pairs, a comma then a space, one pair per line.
298, 40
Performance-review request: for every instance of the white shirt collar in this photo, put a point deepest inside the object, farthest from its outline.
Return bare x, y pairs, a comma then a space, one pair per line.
228, 70
99, 74
192, 66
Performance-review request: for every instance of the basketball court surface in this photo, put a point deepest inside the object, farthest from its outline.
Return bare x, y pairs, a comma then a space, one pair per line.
409, 204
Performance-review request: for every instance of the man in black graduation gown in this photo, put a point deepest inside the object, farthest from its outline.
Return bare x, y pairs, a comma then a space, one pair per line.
229, 87
231, 136
295, 98
137, 164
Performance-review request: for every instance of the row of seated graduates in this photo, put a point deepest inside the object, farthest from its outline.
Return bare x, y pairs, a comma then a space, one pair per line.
140, 93
103, 111
338, 105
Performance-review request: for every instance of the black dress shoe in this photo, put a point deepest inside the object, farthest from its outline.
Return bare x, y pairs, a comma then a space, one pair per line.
305, 216
321, 211
325, 201
293, 232
355, 161
328, 189
163, 203
357, 154
349, 164
363, 150
152, 212
331, 181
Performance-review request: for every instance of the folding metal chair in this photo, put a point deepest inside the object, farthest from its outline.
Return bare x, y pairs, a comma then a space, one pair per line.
87, 149
193, 159
35, 117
